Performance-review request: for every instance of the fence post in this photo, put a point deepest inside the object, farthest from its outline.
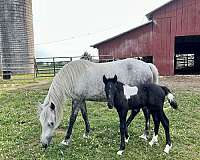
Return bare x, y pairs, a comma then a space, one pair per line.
54, 66
35, 68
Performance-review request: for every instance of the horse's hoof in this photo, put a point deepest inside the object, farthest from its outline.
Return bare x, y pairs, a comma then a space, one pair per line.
120, 152
66, 142
167, 148
154, 140
127, 139
144, 136
86, 135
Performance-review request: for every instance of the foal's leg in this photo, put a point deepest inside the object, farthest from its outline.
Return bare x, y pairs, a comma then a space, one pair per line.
131, 117
85, 118
147, 123
123, 127
129, 120
74, 113
165, 123
156, 120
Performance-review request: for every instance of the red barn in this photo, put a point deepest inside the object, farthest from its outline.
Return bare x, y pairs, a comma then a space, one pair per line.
171, 39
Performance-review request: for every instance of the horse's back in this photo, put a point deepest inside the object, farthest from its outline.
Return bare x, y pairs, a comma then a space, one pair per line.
129, 71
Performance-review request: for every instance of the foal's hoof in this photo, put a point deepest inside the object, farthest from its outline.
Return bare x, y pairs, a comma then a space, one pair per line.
144, 136
154, 140
167, 148
86, 135
66, 142
120, 152
127, 139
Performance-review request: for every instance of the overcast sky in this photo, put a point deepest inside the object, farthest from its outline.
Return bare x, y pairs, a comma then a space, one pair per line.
69, 27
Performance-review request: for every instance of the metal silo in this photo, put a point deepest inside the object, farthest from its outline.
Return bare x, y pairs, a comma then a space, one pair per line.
16, 37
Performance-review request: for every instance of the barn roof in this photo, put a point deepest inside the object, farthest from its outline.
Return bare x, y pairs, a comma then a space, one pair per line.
150, 15
109, 39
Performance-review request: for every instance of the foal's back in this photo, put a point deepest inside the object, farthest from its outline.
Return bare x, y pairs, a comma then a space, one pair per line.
149, 95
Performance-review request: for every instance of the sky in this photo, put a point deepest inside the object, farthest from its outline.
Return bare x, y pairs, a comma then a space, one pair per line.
70, 27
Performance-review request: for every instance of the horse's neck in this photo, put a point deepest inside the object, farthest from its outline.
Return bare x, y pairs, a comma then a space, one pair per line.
56, 96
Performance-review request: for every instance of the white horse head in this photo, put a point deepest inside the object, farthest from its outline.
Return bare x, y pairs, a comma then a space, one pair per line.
47, 117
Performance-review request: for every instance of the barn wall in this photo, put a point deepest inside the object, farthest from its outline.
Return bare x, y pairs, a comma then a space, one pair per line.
182, 17
131, 44
178, 18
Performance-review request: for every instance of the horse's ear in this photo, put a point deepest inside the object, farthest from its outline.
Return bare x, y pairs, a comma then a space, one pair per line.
115, 78
104, 79
52, 106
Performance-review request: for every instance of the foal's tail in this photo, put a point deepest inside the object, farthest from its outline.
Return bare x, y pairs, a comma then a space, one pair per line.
155, 73
170, 97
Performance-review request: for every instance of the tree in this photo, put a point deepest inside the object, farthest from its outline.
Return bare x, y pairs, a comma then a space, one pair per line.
86, 56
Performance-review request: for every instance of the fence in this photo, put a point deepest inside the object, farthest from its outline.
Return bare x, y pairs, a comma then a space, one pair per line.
40, 67
49, 66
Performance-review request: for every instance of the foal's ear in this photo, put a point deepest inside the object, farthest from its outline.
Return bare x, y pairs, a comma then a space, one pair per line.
104, 79
52, 106
115, 78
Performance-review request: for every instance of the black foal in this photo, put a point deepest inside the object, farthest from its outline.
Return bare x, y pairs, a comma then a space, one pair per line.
149, 96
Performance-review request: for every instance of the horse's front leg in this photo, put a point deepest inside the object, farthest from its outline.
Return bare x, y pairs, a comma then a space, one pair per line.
85, 118
74, 113
147, 123
123, 130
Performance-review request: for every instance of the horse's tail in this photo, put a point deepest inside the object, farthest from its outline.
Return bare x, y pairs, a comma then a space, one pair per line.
155, 73
170, 97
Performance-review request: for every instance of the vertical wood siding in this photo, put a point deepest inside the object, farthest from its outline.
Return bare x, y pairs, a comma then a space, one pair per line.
178, 18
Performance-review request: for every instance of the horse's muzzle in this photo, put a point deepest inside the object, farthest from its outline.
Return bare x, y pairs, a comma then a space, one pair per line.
44, 145
110, 106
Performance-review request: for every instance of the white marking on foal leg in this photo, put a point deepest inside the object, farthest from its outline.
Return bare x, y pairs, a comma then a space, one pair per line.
167, 148
126, 140
66, 142
86, 135
143, 136
120, 152
154, 140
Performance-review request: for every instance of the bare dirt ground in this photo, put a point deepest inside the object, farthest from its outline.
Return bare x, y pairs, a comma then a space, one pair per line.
178, 82
182, 82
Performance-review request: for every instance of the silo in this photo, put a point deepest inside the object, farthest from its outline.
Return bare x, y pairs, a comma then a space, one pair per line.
16, 37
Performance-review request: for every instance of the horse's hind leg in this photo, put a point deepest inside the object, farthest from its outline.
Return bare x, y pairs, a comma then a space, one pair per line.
165, 123
85, 118
147, 123
74, 113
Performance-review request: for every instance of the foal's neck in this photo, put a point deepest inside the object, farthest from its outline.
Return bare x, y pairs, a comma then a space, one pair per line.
120, 90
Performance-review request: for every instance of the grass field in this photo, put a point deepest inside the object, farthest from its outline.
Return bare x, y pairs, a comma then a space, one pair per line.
20, 130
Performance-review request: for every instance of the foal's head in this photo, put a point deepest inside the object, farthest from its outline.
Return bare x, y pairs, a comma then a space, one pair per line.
47, 118
110, 89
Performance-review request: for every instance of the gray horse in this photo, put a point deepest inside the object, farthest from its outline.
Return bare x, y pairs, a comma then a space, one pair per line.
81, 80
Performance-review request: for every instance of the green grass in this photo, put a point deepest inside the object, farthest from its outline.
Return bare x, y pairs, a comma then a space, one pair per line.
20, 131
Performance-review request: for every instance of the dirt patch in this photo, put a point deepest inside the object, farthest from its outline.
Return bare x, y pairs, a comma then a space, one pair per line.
183, 83
43, 84
178, 82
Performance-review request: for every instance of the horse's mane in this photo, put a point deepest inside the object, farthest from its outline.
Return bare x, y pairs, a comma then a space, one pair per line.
63, 83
